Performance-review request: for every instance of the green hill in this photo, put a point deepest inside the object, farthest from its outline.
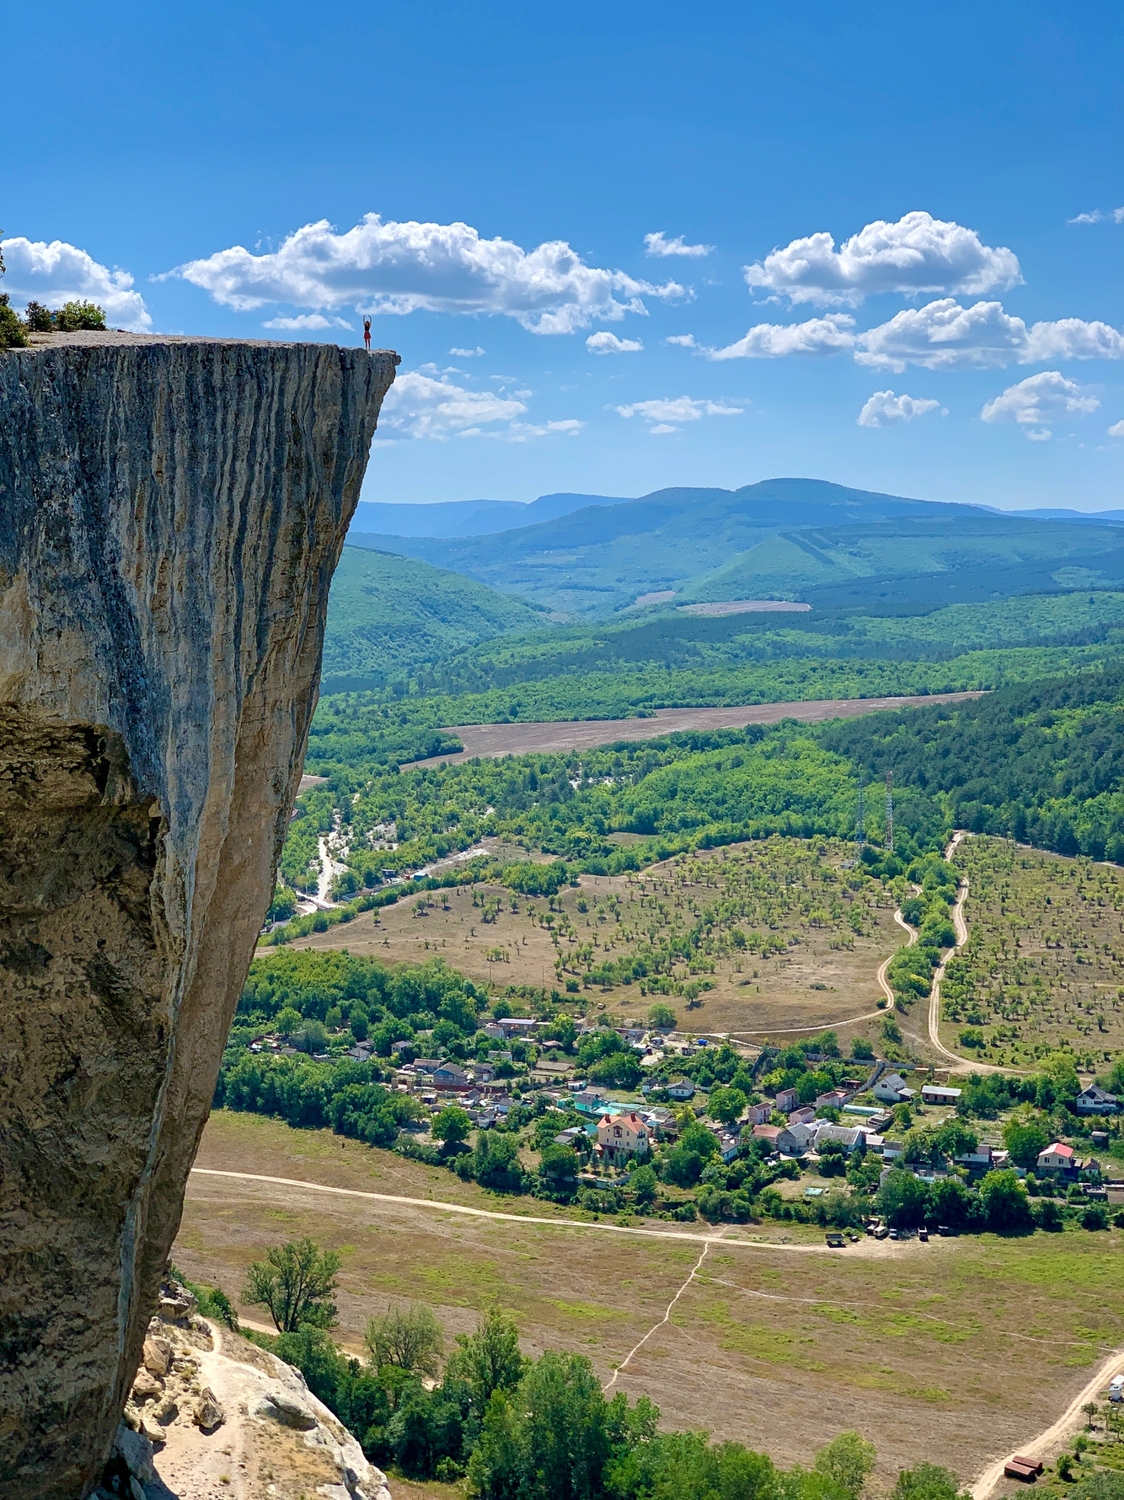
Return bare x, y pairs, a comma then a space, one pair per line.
783, 538
388, 615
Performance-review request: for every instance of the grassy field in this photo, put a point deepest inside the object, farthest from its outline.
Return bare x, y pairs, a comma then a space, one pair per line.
1044, 962
955, 1351
785, 937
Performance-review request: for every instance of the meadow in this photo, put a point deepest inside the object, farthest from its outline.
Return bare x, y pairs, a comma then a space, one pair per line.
778, 1344
752, 937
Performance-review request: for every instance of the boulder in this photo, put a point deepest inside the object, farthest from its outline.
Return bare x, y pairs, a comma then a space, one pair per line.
208, 1412
157, 1356
171, 512
290, 1411
146, 1386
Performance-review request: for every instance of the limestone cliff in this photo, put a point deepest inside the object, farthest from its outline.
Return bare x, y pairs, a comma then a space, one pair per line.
171, 511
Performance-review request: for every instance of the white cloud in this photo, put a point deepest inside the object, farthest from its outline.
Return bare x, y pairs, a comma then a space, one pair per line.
659, 244
686, 340
942, 335
400, 268
776, 340
916, 254
608, 343
1116, 215
666, 414
57, 272
1039, 435
884, 409
311, 321
1116, 430
421, 406
467, 353
1038, 401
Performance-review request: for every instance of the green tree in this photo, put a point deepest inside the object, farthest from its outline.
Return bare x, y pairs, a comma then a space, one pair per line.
662, 1017
644, 1185
407, 1338
295, 1282
74, 317
487, 1360
1048, 1215
951, 1203
1025, 1140
902, 1199
1005, 1204
451, 1126
849, 1460
927, 1482
495, 1162
726, 1105
1095, 1217
558, 1171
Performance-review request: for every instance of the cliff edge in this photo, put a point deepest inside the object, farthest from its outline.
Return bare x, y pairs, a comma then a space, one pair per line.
171, 511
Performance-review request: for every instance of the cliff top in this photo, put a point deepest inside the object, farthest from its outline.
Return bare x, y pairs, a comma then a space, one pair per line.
114, 337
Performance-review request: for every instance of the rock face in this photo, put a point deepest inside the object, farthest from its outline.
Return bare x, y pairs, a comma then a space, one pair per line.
171, 511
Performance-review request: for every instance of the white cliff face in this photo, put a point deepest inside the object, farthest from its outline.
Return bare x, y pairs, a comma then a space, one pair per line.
171, 511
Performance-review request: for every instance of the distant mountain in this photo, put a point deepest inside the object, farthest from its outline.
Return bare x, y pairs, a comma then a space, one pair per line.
601, 558
388, 613
456, 518
1089, 517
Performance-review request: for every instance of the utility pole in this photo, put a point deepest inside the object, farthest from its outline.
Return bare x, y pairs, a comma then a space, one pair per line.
890, 811
860, 821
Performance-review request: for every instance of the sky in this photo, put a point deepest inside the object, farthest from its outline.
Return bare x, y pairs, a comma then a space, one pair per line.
617, 247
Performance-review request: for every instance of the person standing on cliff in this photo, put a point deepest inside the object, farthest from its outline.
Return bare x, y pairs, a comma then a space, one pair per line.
366, 333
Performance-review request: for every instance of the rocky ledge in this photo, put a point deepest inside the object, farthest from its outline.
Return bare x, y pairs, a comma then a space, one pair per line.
171, 512
212, 1415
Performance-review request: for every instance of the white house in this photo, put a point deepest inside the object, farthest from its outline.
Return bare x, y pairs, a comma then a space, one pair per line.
1057, 1158
939, 1093
1096, 1101
891, 1088
681, 1088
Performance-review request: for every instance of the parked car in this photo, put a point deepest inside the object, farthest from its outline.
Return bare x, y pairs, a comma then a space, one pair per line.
881, 1232
894, 1235
836, 1242
923, 1236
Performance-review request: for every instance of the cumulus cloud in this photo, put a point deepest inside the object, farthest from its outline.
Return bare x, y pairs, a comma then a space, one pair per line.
942, 335
57, 272
467, 353
1114, 215
884, 409
1116, 430
916, 254
659, 244
1038, 401
776, 340
686, 340
310, 321
665, 415
424, 406
608, 343
400, 268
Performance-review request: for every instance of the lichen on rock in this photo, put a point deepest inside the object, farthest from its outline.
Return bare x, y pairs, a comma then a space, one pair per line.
171, 512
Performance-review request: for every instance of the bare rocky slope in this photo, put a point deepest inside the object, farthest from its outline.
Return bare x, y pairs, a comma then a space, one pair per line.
171, 511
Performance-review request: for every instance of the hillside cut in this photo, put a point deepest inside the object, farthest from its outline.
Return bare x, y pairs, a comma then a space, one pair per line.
171, 511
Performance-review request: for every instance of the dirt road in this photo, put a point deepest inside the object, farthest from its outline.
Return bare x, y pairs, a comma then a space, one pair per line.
1069, 1421
490, 740
726, 1237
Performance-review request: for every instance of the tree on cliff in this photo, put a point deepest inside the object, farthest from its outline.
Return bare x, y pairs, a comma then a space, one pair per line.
11, 329
296, 1282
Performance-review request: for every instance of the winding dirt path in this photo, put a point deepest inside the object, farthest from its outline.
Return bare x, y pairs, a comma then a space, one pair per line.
608, 1386
1057, 1432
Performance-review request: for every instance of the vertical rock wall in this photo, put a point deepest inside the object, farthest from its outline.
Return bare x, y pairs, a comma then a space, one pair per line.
171, 512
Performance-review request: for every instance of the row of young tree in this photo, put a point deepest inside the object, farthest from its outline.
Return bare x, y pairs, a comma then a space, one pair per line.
515, 1428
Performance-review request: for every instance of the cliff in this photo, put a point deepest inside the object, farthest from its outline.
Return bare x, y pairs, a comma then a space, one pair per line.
171, 511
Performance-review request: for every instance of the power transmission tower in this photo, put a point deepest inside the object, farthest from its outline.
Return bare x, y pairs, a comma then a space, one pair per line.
890, 811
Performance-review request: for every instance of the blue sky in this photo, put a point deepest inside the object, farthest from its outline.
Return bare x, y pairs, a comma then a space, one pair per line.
901, 184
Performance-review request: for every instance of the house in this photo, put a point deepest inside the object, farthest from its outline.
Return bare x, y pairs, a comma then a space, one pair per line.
361, 1052
727, 1145
802, 1116
795, 1140
938, 1093
1057, 1158
484, 1072
892, 1089
758, 1114
833, 1099
892, 1151
495, 1031
545, 1071
449, 1075
980, 1160
850, 1137
589, 1101
1096, 1101
787, 1099
681, 1089
622, 1136
770, 1134
659, 1120
570, 1137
